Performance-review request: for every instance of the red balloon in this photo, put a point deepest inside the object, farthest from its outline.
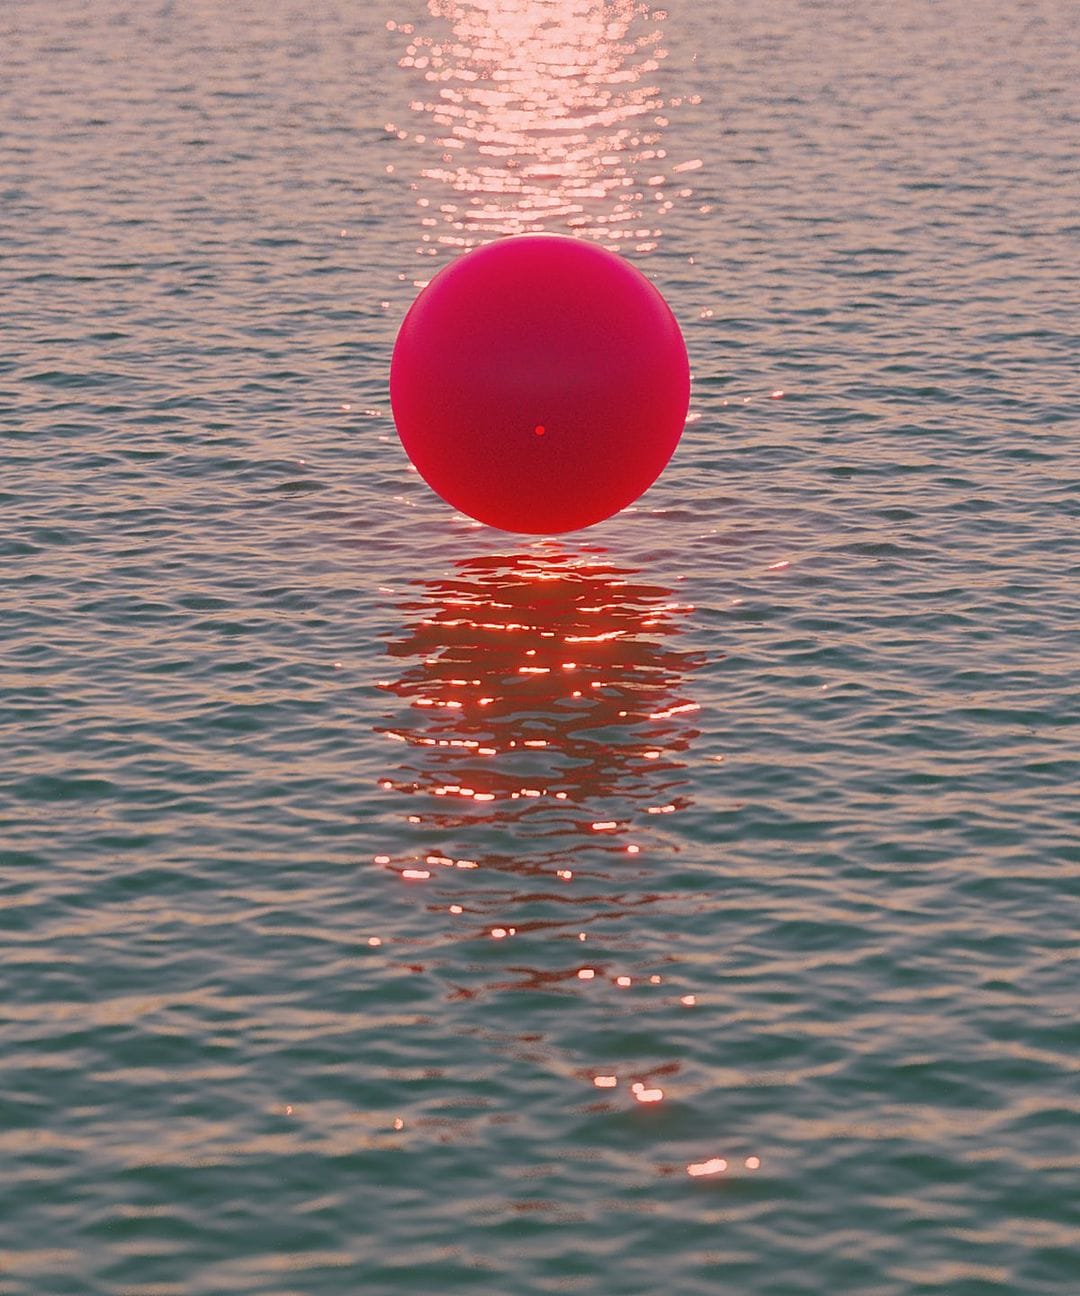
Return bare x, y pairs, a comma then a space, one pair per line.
539, 383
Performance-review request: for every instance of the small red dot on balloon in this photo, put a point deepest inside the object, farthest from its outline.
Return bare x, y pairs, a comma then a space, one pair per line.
540, 429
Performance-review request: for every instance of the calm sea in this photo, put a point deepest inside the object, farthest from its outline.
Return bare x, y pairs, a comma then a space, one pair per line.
394, 905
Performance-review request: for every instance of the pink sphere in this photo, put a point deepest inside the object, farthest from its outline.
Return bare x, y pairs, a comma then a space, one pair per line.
539, 383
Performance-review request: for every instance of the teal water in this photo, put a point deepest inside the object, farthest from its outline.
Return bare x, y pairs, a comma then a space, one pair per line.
320, 804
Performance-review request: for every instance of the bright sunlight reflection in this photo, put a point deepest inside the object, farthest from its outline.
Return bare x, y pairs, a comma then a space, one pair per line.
542, 116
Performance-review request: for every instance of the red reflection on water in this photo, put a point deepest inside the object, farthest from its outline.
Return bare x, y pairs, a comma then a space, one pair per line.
500, 727
538, 776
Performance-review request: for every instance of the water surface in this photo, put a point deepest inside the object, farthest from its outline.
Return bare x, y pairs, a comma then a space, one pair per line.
395, 905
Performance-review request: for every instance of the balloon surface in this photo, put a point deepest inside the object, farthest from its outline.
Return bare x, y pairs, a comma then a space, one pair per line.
539, 383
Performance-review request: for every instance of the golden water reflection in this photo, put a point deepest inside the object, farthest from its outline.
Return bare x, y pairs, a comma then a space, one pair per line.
542, 116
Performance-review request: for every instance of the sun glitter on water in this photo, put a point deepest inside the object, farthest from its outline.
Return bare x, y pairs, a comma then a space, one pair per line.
542, 116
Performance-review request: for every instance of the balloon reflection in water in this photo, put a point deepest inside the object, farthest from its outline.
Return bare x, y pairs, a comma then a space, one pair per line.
542, 115
545, 720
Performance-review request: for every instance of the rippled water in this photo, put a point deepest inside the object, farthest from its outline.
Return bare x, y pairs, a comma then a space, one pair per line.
395, 905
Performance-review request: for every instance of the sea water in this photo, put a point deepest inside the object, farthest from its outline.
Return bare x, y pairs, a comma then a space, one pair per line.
391, 904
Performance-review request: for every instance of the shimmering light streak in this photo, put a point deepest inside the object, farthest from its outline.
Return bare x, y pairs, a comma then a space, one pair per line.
675, 710
716, 1165
542, 115
598, 638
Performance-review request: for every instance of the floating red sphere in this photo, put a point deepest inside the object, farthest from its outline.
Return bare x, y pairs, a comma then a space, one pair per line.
539, 383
